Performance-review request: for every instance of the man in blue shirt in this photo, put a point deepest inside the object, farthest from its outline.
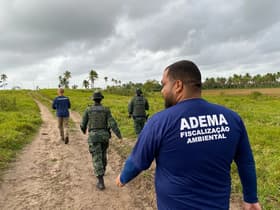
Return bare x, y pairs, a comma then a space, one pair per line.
193, 143
61, 104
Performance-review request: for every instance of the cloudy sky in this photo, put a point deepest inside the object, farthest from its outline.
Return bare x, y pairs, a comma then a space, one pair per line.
132, 40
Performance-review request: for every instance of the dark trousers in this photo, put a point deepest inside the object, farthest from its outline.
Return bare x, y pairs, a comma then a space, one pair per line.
99, 157
139, 123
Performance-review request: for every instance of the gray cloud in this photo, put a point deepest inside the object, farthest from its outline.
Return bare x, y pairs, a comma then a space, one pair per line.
134, 40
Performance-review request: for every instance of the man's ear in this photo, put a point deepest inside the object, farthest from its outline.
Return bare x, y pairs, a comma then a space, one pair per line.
179, 86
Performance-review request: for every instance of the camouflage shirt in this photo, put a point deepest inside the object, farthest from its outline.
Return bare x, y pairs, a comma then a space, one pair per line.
99, 121
138, 106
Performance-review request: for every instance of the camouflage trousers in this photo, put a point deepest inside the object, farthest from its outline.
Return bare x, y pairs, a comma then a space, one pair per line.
63, 126
99, 157
139, 124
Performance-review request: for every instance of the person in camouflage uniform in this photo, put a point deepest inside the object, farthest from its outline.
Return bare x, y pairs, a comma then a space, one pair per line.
137, 110
99, 122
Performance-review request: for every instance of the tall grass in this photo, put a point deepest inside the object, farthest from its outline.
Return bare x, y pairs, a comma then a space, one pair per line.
19, 121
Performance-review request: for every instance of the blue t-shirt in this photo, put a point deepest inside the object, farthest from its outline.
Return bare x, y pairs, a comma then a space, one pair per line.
61, 104
194, 144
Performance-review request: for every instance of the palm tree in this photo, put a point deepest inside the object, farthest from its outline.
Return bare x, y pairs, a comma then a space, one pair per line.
92, 77
237, 79
64, 81
86, 84
257, 80
67, 76
60, 82
247, 80
3, 79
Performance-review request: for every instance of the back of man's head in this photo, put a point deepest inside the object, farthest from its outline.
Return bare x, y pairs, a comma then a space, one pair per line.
138, 92
97, 96
60, 91
187, 72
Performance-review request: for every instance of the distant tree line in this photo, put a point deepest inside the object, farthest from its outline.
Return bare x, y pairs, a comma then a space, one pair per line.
64, 80
116, 86
130, 87
243, 81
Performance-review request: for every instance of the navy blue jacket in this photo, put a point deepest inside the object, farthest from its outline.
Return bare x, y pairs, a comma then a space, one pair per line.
61, 104
194, 143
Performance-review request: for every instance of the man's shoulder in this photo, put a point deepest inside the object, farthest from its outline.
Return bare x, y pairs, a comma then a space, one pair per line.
62, 97
218, 108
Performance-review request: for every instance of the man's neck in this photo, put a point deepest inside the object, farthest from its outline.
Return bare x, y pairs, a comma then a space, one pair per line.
187, 96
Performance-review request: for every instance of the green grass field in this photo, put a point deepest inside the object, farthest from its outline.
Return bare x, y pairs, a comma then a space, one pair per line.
19, 121
260, 113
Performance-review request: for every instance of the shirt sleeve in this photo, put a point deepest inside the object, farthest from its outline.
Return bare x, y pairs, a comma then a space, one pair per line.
112, 124
84, 122
54, 104
143, 153
129, 171
130, 107
246, 167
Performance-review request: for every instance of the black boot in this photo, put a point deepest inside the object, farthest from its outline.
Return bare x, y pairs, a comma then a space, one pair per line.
66, 141
100, 183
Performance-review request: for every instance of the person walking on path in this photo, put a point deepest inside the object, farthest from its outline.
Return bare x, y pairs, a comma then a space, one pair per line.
62, 105
137, 110
98, 121
193, 143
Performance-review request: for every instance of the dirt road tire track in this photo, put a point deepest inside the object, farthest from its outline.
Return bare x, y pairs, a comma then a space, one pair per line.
51, 175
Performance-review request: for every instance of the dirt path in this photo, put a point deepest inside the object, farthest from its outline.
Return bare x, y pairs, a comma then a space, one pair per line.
51, 175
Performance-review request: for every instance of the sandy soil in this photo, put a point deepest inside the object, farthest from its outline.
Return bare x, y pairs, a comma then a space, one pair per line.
51, 175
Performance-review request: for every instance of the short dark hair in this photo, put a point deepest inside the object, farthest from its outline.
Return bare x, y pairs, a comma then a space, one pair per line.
186, 71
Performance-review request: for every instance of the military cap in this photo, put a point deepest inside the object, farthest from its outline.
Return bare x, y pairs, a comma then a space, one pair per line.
97, 95
138, 91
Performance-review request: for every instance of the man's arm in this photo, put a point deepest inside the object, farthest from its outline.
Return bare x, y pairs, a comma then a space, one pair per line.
84, 122
130, 108
54, 104
142, 155
113, 124
246, 168
128, 173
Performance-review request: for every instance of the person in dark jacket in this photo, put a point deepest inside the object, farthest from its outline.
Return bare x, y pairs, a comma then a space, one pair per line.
62, 105
137, 110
